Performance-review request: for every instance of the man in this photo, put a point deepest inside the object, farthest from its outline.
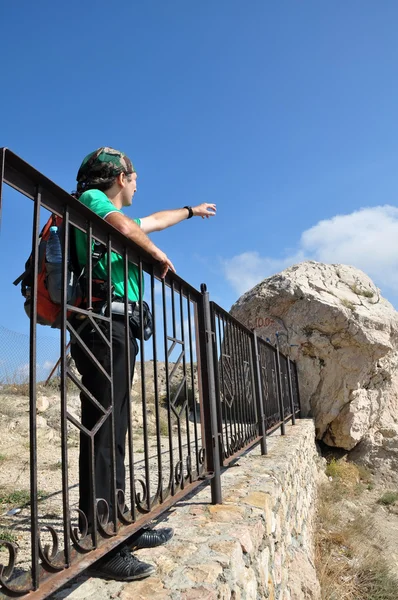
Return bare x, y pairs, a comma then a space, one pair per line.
106, 183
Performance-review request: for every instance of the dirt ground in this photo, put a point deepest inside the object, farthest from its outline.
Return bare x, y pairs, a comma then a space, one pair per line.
356, 532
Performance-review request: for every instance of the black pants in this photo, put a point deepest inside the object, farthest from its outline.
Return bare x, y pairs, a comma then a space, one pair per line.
98, 385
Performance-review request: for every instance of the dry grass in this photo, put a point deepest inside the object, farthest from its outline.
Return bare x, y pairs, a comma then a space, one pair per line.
348, 304
348, 565
6, 535
348, 480
388, 498
12, 388
15, 389
12, 409
18, 497
361, 292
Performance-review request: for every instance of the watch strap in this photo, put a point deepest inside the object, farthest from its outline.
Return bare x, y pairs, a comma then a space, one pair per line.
190, 211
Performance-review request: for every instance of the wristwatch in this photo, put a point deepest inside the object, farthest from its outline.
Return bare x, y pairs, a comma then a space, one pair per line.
190, 211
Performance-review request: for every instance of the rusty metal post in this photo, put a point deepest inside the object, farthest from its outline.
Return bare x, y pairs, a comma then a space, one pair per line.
209, 396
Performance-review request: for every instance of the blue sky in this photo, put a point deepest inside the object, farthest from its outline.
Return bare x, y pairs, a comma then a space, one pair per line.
283, 113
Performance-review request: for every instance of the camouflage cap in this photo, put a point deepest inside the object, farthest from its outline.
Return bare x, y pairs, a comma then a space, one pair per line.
103, 164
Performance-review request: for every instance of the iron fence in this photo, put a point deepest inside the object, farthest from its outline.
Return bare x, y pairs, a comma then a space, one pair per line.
203, 390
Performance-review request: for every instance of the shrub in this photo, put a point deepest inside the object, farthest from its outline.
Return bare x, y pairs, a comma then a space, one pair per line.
347, 304
360, 292
388, 498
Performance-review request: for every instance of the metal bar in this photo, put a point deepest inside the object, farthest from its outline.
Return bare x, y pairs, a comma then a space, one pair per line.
238, 372
32, 396
113, 491
184, 370
94, 532
259, 395
219, 381
248, 385
193, 383
166, 359
156, 389
89, 270
209, 396
271, 365
143, 391
216, 362
129, 377
252, 366
227, 351
254, 429
173, 313
200, 385
64, 397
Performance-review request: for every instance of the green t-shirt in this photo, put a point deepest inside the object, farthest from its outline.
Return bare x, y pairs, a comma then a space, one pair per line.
99, 203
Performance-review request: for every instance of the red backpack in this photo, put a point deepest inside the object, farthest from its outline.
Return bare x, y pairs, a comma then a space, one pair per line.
49, 279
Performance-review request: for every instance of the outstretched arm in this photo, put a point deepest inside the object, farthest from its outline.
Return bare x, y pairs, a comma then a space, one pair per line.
167, 218
134, 232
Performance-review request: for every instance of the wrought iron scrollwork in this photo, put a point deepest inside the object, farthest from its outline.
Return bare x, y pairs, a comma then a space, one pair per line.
81, 540
188, 462
49, 553
142, 503
105, 527
178, 473
125, 516
7, 572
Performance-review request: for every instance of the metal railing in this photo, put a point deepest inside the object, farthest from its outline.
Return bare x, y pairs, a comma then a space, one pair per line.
208, 390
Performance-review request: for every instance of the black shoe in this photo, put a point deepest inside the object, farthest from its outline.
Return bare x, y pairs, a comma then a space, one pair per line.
123, 566
150, 538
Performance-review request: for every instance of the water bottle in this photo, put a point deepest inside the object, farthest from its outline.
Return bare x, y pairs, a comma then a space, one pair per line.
53, 247
54, 265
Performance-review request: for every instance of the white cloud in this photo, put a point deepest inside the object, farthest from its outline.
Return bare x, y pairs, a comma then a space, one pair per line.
246, 270
48, 364
367, 239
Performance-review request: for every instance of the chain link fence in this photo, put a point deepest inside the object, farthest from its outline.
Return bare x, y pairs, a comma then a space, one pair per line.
14, 356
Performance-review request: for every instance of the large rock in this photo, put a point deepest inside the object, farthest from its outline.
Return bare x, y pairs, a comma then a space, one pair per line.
344, 337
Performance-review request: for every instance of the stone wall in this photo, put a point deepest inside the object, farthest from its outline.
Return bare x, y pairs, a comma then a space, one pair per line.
257, 545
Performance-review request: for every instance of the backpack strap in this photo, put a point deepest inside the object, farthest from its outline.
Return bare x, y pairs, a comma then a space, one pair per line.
21, 277
97, 255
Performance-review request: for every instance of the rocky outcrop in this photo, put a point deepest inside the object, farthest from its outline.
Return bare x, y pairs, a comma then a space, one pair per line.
344, 336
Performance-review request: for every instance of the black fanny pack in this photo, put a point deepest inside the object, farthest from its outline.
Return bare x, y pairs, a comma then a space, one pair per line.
118, 308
